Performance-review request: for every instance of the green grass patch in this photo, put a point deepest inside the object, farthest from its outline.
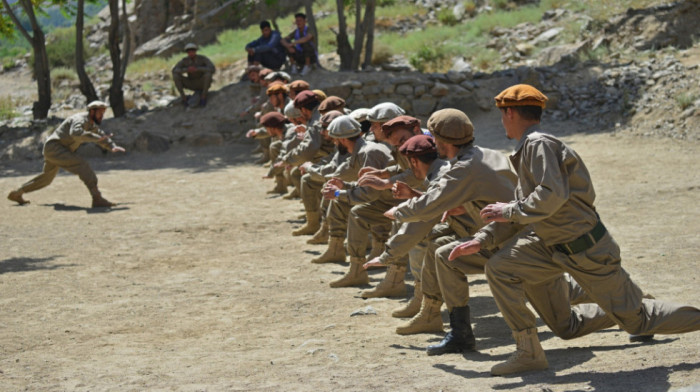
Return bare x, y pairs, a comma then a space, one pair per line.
7, 108
686, 100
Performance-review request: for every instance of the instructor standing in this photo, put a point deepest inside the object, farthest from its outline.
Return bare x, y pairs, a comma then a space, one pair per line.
59, 153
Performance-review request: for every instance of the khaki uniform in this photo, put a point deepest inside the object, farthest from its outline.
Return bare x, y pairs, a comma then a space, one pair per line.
555, 196
59, 152
317, 175
199, 80
477, 177
364, 154
312, 147
410, 234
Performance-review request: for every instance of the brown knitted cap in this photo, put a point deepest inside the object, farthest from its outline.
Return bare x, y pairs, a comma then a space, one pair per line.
298, 85
418, 145
451, 126
273, 120
332, 103
521, 95
305, 98
400, 122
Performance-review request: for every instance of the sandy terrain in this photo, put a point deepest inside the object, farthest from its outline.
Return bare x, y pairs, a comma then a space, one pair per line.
195, 283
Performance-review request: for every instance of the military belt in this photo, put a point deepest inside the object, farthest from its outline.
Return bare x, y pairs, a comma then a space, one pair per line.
583, 242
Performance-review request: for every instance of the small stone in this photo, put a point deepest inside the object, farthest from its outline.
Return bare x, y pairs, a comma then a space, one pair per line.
367, 310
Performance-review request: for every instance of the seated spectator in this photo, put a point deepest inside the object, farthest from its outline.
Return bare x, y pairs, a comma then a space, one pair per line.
266, 50
300, 46
199, 70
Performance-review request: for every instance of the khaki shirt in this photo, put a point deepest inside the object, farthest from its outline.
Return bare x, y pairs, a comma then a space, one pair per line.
202, 63
554, 194
365, 154
328, 167
478, 177
78, 129
313, 146
411, 233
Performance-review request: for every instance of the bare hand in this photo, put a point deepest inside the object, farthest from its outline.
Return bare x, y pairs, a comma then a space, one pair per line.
329, 191
373, 171
251, 133
467, 248
278, 164
493, 213
453, 212
375, 182
401, 190
336, 182
375, 262
304, 167
390, 213
105, 137
266, 177
118, 149
191, 69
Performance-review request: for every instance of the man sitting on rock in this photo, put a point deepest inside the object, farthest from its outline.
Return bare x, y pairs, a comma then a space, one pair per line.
266, 50
199, 70
300, 46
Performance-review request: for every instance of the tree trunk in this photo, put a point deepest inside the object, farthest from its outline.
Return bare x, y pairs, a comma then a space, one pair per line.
308, 8
42, 73
344, 48
86, 86
359, 36
369, 29
126, 40
116, 95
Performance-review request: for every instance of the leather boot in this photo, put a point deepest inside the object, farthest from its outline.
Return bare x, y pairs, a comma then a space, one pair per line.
313, 223
294, 194
413, 306
528, 355
356, 275
335, 252
16, 196
98, 200
280, 186
391, 286
460, 338
321, 236
427, 320
377, 249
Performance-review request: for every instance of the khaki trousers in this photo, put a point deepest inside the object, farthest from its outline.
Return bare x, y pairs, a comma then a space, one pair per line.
58, 156
530, 269
452, 275
310, 192
275, 148
366, 218
200, 81
337, 217
428, 275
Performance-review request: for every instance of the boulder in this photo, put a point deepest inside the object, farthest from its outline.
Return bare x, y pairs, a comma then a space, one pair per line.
152, 142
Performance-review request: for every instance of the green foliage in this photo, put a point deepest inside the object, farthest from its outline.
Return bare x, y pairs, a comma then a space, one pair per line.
61, 74
427, 58
447, 17
501, 4
7, 108
685, 100
381, 53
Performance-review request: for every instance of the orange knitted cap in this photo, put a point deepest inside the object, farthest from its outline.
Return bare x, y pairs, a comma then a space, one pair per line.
520, 95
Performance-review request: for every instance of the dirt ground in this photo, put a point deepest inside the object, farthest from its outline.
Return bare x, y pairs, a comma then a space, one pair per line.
194, 283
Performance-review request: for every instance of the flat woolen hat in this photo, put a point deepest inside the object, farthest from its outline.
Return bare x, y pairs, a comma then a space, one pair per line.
290, 111
418, 145
344, 127
298, 85
305, 98
97, 105
384, 112
273, 120
277, 88
191, 46
400, 122
320, 95
521, 95
360, 114
327, 118
331, 103
451, 126
264, 72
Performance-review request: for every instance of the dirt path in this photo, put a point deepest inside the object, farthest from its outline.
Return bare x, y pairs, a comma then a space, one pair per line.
196, 284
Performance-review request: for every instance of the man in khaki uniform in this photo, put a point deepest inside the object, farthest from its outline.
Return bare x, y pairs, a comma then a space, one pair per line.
555, 197
292, 137
477, 176
59, 153
425, 164
199, 70
347, 134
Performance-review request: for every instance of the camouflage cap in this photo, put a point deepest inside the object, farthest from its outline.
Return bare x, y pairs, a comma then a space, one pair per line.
384, 112
521, 95
344, 127
451, 126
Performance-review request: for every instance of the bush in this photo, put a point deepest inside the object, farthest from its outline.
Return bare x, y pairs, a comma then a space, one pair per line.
58, 75
381, 53
7, 108
447, 17
685, 100
427, 58
60, 47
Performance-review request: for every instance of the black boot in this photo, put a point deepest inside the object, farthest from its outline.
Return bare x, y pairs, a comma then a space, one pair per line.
460, 338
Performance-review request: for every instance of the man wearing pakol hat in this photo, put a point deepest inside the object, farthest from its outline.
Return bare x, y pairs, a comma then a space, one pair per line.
314, 176
346, 133
199, 70
425, 164
477, 176
555, 197
59, 153
275, 124
296, 87
277, 99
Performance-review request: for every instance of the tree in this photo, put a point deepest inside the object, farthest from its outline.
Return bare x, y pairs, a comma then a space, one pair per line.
119, 63
364, 27
42, 73
86, 86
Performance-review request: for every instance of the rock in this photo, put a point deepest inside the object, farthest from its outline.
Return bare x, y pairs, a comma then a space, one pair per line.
462, 66
455, 77
398, 63
367, 310
152, 142
524, 48
204, 139
567, 54
547, 35
424, 107
404, 89
353, 84
439, 90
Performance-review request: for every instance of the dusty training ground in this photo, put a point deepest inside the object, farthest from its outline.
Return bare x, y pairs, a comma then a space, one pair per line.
195, 283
